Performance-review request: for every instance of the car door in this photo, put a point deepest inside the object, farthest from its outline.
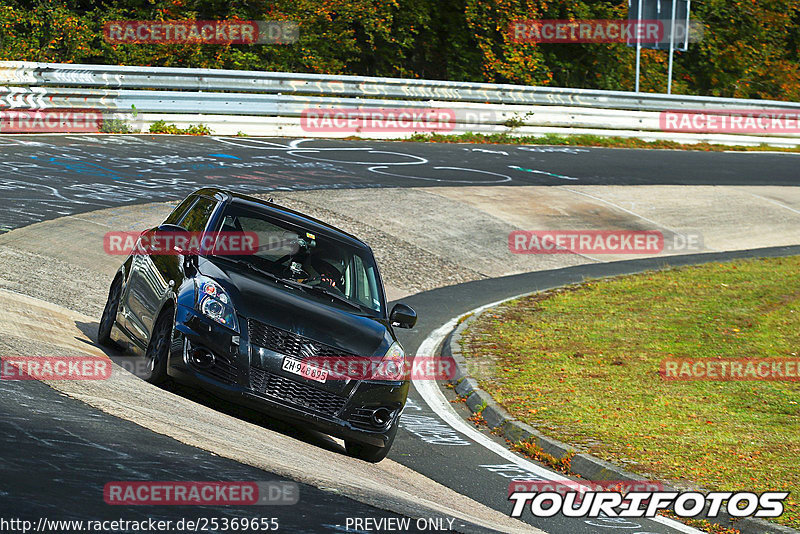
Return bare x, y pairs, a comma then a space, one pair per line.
128, 318
153, 276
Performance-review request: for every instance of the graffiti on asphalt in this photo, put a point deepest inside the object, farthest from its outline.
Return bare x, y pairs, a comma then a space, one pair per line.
48, 177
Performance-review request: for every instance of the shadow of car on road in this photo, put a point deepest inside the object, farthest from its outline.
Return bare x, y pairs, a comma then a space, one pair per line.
135, 365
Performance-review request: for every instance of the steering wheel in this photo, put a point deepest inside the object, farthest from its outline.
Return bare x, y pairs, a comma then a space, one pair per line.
326, 268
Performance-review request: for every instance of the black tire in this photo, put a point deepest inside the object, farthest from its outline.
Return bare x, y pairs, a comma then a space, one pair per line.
158, 349
110, 315
371, 453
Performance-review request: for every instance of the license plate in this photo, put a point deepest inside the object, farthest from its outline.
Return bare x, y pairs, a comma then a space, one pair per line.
301, 368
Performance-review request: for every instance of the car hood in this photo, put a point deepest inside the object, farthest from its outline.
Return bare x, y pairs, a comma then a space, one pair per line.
296, 311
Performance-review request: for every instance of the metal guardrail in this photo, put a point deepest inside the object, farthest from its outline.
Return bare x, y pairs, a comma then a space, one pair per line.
486, 107
134, 77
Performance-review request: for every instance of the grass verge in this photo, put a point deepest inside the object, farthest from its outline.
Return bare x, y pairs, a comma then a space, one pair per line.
582, 365
588, 140
161, 127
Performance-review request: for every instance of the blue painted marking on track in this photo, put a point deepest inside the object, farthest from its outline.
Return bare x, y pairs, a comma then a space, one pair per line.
81, 167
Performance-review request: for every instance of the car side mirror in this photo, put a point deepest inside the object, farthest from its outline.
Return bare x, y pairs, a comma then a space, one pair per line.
189, 257
403, 316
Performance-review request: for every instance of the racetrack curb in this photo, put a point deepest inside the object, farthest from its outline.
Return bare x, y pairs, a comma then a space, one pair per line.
581, 464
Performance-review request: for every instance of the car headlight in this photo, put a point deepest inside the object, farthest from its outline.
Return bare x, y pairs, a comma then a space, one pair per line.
214, 303
393, 364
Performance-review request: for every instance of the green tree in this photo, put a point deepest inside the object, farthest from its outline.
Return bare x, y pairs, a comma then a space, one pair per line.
751, 48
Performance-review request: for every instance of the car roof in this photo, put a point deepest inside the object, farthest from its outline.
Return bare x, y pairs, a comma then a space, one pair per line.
264, 206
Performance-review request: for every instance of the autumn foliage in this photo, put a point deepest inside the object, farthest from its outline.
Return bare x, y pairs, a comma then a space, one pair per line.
750, 49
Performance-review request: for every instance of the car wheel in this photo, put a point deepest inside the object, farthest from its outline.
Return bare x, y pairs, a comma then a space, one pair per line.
371, 453
158, 349
110, 315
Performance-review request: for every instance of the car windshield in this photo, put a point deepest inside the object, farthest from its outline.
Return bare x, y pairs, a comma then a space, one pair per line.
330, 269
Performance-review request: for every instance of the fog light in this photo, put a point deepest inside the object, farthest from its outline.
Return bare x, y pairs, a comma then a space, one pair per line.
202, 358
381, 417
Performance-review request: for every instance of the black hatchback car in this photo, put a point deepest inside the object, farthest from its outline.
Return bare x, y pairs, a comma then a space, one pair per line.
245, 326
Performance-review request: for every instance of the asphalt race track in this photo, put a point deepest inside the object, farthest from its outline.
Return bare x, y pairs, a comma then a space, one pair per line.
45, 177
76, 448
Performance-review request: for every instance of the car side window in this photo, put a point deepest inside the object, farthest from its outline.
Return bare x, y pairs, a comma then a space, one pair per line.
178, 213
196, 219
366, 287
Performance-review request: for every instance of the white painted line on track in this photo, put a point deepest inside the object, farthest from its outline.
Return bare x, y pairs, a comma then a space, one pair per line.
780, 204
432, 395
677, 525
435, 399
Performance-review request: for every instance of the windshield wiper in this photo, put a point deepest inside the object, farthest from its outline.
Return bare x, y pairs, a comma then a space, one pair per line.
263, 272
331, 294
299, 285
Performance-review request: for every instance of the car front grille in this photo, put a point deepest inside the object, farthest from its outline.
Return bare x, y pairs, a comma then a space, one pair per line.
289, 343
223, 370
287, 390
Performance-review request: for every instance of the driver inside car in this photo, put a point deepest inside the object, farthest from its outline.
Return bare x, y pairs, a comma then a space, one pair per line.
329, 270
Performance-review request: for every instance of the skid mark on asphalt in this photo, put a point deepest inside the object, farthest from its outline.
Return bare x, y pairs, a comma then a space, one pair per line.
617, 206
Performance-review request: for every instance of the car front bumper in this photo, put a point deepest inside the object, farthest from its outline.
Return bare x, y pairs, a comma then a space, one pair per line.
253, 377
